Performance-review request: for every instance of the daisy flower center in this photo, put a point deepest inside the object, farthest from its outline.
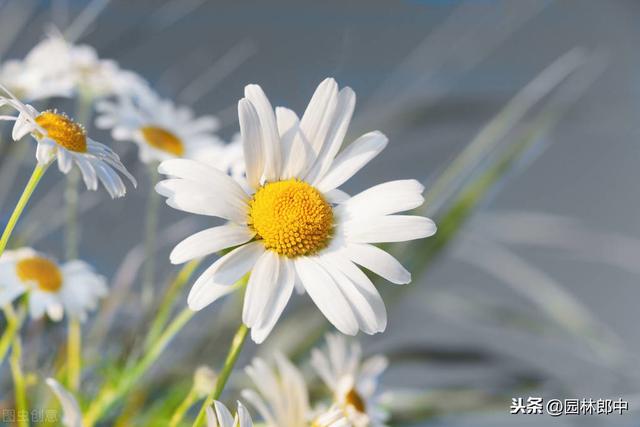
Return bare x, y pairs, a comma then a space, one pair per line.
291, 217
40, 270
353, 398
63, 130
162, 139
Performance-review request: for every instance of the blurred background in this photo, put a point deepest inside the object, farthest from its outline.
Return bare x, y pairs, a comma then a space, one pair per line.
531, 287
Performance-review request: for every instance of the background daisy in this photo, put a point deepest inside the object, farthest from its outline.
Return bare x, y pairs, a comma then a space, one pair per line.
161, 129
53, 288
352, 381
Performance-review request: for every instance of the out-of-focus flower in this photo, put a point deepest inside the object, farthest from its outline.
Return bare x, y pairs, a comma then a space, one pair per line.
55, 67
204, 380
282, 399
72, 417
294, 227
72, 287
59, 137
223, 418
229, 158
161, 129
33, 83
352, 381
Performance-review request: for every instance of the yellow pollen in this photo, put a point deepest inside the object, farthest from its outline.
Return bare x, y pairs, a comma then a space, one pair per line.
40, 270
64, 131
353, 398
163, 140
291, 217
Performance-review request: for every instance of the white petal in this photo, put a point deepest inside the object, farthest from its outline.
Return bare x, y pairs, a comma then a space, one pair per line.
280, 295
352, 159
270, 137
316, 119
287, 122
391, 228
192, 170
22, 126
225, 272
198, 198
251, 132
71, 410
384, 199
262, 281
244, 417
361, 293
211, 417
379, 262
45, 151
325, 294
64, 160
209, 241
258, 403
225, 417
336, 196
339, 123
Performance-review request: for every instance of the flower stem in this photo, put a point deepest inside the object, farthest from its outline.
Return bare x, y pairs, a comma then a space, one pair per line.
71, 196
111, 394
164, 310
22, 406
36, 175
13, 326
232, 357
151, 226
184, 406
74, 360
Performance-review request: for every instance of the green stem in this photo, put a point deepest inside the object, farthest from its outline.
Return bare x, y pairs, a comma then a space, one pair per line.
151, 227
22, 406
74, 360
13, 326
164, 310
110, 395
71, 195
37, 174
184, 406
232, 357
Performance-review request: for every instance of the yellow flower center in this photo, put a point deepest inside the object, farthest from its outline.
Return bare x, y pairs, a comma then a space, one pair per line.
353, 398
40, 270
64, 131
163, 140
291, 217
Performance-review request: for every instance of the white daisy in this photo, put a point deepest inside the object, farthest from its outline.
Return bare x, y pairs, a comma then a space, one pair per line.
295, 228
34, 83
223, 418
58, 136
73, 287
352, 381
161, 129
55, 66
282, 399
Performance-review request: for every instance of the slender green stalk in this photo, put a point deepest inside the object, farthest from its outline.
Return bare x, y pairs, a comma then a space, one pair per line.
71, 196
74, 352
232, 357
151, 228
36, 175
19, 384
111, 394
184, 406
164, 310
13, 326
